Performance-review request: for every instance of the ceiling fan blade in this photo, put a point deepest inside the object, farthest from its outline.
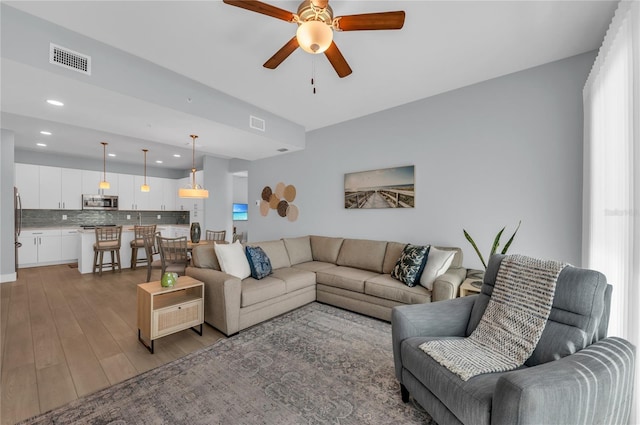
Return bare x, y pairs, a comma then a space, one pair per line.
337, 60
371, 21
282, 54
263, 8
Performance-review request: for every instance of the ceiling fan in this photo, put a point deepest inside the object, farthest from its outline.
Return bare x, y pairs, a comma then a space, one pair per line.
315, 28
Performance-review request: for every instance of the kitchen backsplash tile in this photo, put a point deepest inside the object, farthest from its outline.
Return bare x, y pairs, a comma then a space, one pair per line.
75, 218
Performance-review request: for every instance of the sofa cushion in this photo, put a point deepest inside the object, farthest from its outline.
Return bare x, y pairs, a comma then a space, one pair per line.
258, 262
470, 401
314, 266
204, 257
325, 249
410, 264
438, 262
345, 277
255, 291
295, 278
457, 258
299, 249
276, 252
391, 255
233, 260
384, 286
362, 254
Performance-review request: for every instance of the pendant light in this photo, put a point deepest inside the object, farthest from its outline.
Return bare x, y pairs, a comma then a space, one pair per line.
145, 187
104, 184
193, 190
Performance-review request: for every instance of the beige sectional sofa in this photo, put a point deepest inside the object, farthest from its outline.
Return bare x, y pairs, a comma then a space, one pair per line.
349, 273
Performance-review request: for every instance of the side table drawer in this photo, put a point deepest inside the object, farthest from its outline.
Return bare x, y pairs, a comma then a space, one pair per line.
177, 317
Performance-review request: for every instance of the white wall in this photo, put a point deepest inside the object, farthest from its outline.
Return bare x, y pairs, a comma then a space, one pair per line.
7, 248
485, 156
217, 208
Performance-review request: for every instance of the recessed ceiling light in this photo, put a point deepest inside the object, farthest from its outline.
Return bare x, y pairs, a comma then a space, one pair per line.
111, 154
44, 145
46, 133
54, 102
158, 162
176, 155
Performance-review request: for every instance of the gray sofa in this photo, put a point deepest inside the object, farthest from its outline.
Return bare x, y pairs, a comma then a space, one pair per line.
575, 376
348, 273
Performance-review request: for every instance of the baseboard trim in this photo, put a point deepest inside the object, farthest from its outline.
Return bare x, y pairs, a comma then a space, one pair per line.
9, 277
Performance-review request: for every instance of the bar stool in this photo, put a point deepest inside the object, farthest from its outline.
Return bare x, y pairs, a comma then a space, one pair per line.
107, 239
138, 242
215, 235
173, 254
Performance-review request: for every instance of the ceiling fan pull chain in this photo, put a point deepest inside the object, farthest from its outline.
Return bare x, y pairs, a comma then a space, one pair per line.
313, 74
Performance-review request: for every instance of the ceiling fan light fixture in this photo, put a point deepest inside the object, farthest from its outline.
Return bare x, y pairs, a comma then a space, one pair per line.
314, 36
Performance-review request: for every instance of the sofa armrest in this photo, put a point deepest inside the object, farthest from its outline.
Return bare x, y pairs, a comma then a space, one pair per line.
221, 298
446, 318
594, 385
446, 286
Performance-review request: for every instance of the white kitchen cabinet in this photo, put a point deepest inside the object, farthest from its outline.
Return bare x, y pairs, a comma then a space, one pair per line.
163, 194
60, 188
69, 245
39, 248
71, 189
155, 195
169, 194
90, 181
27, 178
50, 185
126, 196
28, 252
142, 199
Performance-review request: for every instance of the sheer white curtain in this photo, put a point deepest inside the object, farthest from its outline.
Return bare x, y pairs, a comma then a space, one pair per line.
611, 202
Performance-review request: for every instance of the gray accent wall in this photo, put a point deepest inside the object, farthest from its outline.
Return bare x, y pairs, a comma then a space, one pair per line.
218, 181
485, 156
7, 248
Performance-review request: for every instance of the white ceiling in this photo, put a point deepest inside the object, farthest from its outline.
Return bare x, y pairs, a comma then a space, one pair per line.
444, 45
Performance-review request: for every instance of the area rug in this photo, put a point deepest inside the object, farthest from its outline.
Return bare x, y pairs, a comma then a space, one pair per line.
315, 365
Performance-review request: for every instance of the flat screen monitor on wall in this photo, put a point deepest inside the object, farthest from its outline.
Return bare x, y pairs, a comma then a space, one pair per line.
240, 212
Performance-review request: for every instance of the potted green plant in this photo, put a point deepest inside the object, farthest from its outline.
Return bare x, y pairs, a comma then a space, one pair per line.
496, 243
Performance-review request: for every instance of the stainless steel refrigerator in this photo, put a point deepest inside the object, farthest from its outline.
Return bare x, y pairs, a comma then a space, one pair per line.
17, 214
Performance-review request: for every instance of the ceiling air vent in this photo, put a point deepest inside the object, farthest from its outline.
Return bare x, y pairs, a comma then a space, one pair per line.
69, 59
256, 123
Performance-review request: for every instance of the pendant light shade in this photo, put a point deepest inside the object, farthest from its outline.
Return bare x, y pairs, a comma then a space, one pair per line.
193, 190
104, 184
145, 187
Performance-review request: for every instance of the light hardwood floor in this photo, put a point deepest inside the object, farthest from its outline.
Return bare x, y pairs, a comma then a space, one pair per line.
65, 335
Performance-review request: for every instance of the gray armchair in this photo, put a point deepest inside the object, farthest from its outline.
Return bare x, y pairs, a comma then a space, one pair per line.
576, 375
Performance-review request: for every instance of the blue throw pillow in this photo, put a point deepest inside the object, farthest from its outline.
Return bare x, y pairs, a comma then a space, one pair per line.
258, 262
410, 265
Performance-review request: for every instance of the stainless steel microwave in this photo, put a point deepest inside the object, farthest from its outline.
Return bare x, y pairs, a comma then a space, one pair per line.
99, 202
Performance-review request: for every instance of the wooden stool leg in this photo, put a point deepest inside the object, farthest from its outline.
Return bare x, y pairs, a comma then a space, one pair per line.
119, 266
134, 257
101, 259
95, 260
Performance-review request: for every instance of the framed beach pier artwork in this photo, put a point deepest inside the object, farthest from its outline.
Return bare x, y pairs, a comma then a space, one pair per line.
384, 188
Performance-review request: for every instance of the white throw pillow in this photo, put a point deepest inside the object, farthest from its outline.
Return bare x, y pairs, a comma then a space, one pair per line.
233, 260
438, 263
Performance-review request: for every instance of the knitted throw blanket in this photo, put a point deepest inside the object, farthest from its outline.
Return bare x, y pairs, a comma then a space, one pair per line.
511, 325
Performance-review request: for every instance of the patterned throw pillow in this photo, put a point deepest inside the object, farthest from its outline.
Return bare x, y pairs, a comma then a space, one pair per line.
410, 265
258, 262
